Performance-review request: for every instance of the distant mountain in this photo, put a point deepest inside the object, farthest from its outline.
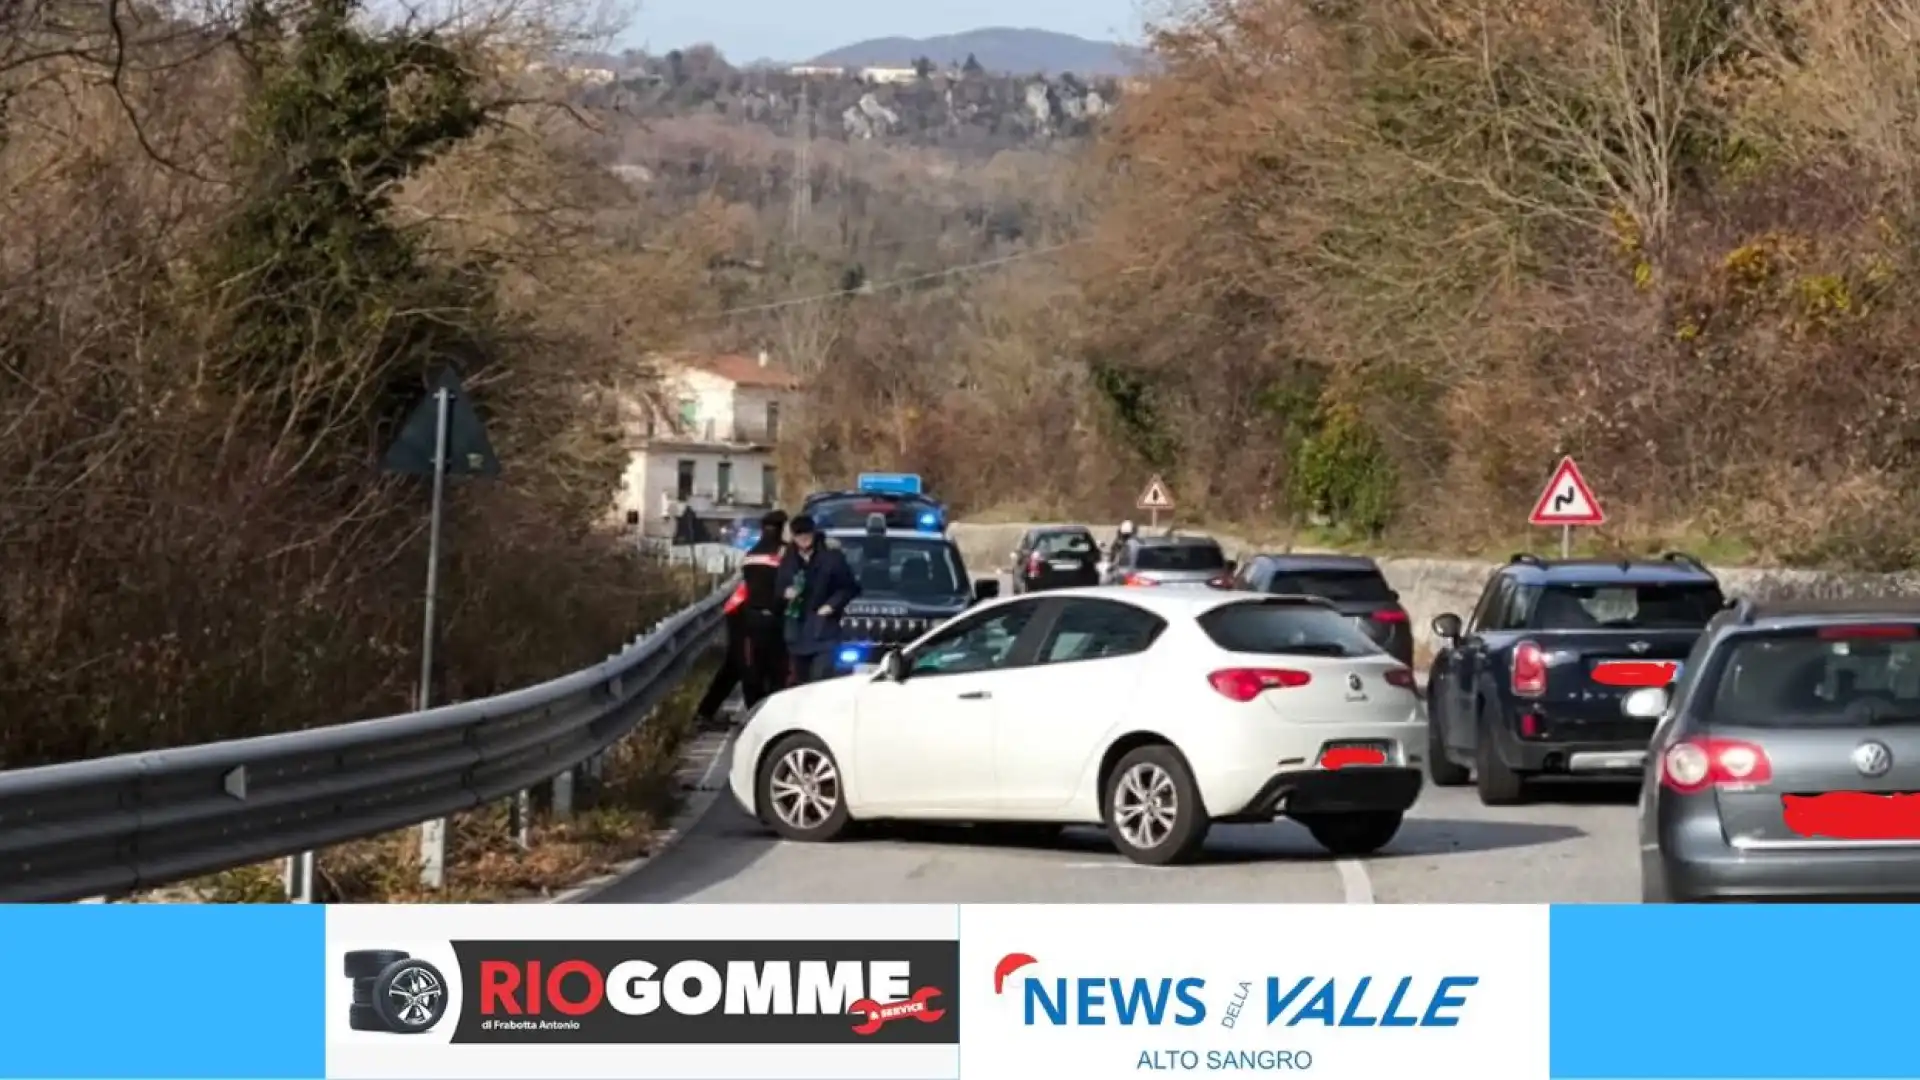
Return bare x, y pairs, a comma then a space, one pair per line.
999, 49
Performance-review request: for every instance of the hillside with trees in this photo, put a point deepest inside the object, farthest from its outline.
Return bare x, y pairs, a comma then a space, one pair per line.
1377, 264
1369, 266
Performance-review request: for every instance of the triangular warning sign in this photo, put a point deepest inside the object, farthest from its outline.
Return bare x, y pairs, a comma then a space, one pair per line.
1567, 500
1156, 497
469, 452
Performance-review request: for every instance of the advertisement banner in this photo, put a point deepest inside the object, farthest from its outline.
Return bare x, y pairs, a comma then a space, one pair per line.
937, 992
611, 993
1338, 992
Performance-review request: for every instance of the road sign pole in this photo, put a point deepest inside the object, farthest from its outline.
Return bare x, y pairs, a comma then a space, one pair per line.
433, 834
1566, 541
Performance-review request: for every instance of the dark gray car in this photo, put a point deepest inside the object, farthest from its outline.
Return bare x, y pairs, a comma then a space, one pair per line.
1786, 760
1171, 560
1353, 583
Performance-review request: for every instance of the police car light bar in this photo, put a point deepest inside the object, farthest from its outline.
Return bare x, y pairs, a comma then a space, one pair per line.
930, 521
889, 483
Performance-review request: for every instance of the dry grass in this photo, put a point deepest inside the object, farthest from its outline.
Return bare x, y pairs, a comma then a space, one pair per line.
616, 824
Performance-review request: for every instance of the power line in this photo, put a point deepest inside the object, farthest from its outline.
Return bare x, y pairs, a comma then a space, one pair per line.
897, 283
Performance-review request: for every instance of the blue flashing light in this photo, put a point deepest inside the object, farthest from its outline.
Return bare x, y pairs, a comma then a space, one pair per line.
850, 656
930, 521
889, 483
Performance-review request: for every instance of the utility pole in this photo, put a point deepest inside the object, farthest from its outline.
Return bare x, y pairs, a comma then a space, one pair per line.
802, 206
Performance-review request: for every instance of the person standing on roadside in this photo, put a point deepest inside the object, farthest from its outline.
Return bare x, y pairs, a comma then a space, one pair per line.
756, 659
765, 669
817, 585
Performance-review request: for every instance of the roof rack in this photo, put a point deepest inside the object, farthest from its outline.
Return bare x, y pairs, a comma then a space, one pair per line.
1683, 557
1526, 557
1742, 609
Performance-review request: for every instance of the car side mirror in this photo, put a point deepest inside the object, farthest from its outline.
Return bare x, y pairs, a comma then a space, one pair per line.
893, 666
986, 589
1646, 703
1447, 626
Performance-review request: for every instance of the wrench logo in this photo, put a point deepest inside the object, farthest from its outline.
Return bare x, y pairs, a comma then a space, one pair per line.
877, 1014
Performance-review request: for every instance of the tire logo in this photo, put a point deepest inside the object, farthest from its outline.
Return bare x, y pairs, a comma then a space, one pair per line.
394, 993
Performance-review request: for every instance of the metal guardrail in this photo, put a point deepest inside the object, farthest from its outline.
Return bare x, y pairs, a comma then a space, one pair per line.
112, 826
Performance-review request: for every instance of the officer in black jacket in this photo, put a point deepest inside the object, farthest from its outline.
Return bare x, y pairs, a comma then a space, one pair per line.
756, 659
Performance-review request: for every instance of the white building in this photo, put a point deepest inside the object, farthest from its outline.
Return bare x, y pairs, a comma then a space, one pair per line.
711, 448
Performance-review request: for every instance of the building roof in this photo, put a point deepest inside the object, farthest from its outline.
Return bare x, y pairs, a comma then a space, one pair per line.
745, 370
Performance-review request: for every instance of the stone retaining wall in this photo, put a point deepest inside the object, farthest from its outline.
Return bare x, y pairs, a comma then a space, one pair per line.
1429, 587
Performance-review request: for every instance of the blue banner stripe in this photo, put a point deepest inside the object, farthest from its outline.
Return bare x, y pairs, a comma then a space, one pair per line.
1760, 992
163, 991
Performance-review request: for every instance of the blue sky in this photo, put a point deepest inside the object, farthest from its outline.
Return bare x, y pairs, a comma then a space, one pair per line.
747, 30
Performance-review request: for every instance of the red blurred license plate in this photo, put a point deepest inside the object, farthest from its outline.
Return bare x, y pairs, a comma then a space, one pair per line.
1339, 757
1853, 815
1636, 673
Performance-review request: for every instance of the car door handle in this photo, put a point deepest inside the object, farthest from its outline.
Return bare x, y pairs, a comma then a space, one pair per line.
975, 695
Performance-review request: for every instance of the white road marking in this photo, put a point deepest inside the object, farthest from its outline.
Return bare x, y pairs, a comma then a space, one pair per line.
1355, 886
722, 754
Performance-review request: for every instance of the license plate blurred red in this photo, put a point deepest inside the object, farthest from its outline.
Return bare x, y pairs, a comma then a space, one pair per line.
1636, 673
1339, 757
1853, 815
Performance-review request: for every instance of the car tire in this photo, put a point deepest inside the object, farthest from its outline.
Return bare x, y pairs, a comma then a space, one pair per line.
811, 813
1145, 788
1499, 783
1353, 834
367, 963
1440, 767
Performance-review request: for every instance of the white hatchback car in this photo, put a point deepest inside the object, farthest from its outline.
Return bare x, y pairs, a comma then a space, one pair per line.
1155, 712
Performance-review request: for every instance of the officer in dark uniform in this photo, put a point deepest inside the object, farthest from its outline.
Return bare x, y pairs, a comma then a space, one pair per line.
756, 659
816, 585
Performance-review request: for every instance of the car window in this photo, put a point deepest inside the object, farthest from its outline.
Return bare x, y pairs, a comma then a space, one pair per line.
1099, 630
1804, 678
1685, 606
897, 567
1278, 628
1181, 557
1348, 586
1065, 544
982, 643
1487, 615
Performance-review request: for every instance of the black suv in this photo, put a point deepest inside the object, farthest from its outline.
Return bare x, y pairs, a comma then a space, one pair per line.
1532, 684
910, 582
1352, 583
1056, 557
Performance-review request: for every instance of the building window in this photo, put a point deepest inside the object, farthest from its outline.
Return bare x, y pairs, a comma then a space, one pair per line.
773, 421
769, 486
689, 414
683, 483
724, 489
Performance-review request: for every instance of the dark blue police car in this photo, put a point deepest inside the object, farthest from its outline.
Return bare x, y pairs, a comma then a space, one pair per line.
910, 582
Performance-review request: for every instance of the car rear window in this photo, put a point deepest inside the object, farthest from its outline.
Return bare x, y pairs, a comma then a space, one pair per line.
1625, 606
1345, 586
1065, 544
1283, 629
1180, 557
1802, 678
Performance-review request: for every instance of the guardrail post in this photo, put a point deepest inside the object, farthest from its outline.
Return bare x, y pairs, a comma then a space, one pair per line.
523, 819
299, 878
433, 853
563, 795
